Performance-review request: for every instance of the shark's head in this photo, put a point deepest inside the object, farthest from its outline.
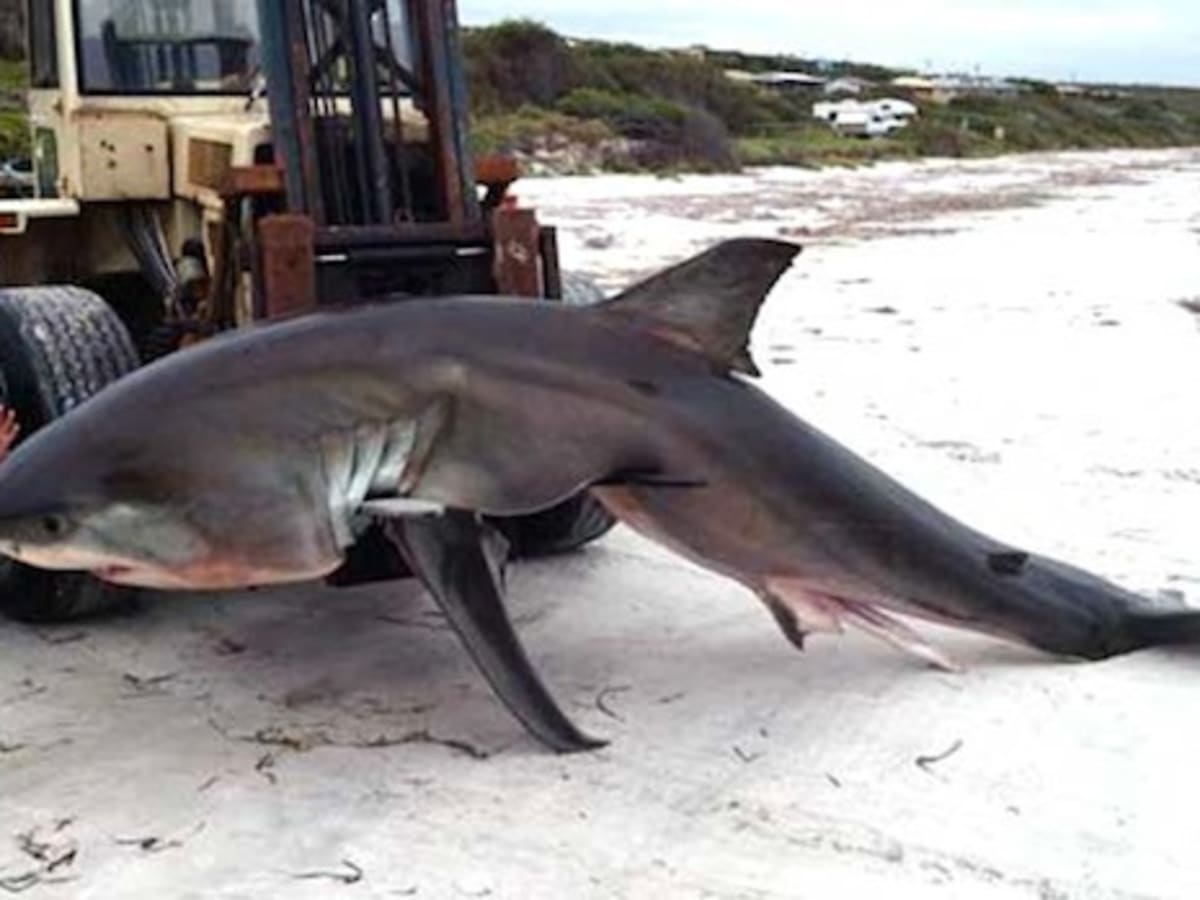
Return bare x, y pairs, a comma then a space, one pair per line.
146, 507
75, 499
123, 543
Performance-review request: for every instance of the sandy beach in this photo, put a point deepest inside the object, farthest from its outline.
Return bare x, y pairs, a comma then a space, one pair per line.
1006, 336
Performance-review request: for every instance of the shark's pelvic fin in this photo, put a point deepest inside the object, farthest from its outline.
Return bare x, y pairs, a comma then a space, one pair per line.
461, 560
709, 302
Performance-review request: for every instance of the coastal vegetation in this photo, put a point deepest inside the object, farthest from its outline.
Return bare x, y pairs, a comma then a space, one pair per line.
567, 105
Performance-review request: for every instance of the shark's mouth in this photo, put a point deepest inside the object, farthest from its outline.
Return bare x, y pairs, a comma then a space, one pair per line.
209, 574
114, 574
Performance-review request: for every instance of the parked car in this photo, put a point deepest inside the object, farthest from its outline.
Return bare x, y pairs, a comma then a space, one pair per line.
874, 118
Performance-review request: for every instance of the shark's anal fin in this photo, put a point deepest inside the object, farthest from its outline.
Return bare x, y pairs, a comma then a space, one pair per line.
876, 622
709, 302
800, 610
461, 559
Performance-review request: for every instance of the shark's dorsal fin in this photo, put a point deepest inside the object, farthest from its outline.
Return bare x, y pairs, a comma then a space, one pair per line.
709, 302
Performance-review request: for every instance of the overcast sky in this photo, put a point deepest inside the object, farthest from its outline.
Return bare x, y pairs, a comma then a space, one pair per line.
1098, 40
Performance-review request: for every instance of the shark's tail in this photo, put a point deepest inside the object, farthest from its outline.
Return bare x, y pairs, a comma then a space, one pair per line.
1077, 613
1048, 604
1162, 627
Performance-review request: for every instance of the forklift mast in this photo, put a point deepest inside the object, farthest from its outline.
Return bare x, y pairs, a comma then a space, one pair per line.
381, 196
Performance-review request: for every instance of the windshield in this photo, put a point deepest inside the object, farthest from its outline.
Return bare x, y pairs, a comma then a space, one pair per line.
167, 46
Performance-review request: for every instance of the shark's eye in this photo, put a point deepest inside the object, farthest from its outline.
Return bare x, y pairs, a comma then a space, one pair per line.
53, 525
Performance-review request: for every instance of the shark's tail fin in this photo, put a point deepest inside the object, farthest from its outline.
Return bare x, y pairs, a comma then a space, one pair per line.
1067, 610
709, 302
1163, 627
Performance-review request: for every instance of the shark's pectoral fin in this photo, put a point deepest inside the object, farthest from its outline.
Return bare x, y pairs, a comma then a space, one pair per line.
461, 560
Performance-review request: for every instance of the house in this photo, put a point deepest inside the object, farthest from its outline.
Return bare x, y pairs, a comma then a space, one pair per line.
913, 83
975, 85
995, 87
798, 82
1091, 91
847, 85
929, 90
1106, 93
789, 82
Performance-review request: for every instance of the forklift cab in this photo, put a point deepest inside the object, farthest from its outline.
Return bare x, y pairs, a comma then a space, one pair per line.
110, 77
336, 129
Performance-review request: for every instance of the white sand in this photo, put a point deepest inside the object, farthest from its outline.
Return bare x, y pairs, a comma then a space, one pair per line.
1035, 377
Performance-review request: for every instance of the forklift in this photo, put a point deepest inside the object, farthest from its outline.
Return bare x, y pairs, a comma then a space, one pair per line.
205, 165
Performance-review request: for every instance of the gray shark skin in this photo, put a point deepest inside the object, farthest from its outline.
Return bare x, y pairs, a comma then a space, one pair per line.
250, 459
827, 539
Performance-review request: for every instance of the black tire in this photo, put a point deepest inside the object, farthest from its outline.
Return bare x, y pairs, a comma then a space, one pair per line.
58, 346
560, 529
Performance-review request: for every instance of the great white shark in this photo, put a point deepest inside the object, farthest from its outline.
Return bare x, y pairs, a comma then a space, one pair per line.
254, 459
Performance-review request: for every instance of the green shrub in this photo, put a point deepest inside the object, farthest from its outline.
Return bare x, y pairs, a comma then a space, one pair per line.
14, 134
524, 129
516, 63
815, 144
12, 74
636, 116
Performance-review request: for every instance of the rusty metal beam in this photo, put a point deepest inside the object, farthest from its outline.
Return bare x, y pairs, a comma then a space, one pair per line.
254, 181
444, 95
517, 253
552, 287
287, 264
416, 233
285, 63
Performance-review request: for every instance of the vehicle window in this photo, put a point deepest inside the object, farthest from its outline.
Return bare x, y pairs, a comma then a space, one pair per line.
393, 50
167, 46
43, 50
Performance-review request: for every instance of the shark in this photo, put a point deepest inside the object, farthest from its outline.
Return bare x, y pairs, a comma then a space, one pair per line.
257, 457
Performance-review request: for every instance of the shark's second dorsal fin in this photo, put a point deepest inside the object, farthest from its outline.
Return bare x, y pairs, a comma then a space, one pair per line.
710, 301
